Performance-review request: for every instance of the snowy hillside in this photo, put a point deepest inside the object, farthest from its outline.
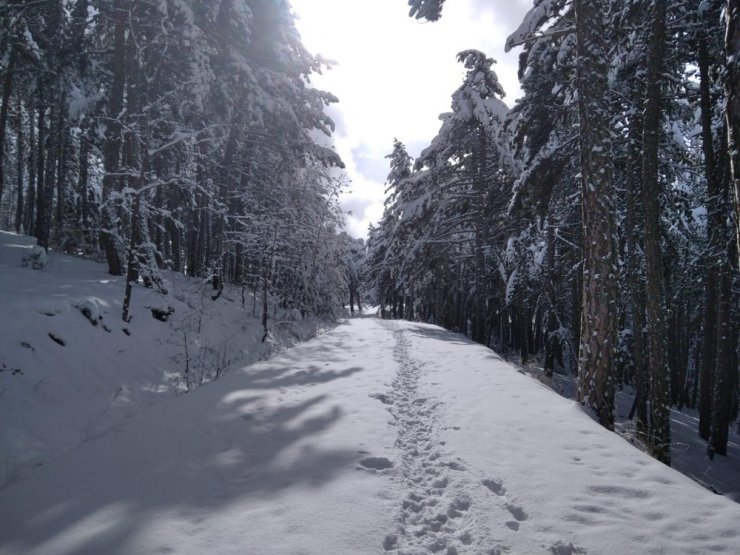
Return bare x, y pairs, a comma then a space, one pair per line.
375, 437
70, 368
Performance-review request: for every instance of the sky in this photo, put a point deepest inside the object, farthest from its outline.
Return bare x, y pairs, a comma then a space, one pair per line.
394, 76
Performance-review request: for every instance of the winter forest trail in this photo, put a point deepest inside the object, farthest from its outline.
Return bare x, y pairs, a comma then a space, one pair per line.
376, 437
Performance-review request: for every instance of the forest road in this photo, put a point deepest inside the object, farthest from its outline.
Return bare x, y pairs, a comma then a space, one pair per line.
375, 437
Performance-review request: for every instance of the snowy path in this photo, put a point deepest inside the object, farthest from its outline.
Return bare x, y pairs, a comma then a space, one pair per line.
377, 437
435, 510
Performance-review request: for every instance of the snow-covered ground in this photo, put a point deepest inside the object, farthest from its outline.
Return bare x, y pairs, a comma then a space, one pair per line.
688, 450
66, 377
376, 436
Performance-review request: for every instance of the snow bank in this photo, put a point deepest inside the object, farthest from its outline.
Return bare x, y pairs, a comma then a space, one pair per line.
70, 368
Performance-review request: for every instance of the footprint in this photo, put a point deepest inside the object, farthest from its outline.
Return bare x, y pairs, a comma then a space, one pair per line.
459, 506
382, 398
517, 512
390, 542
376, 463
496, 486
454, 466
465, 538
437, 545
513, 525
561, 548
435, 524
441, 483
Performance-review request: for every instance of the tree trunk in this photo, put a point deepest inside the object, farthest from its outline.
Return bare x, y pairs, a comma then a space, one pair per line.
113, 136
714, 228
132, 273
479, 188
40, 173
732, 92
637, 295
19, 165
60, 141
7, 89
599, 313
659, 436
84, 217
723, 377
264, 304
551, 342
28, 218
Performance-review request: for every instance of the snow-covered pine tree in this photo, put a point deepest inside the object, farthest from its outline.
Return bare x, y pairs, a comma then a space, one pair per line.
141, 131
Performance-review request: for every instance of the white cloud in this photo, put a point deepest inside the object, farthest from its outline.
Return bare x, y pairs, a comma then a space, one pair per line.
395, 75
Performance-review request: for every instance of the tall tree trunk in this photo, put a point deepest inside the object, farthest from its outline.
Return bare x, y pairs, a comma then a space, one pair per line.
7, 89
20, 164
634, 267
732, 111
599, 314
714, 232
551, 342
479, 188
113, 137
132, 271
61, 166
40, 171
46, 189
659, 436
83, 186
28, 218
724, 381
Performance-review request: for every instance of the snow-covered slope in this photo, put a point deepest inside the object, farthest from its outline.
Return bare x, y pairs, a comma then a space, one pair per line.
376, 436
66, 377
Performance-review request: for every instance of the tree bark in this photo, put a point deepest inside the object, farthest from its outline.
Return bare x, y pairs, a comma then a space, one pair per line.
113, 137
599, 294
84, 216
634, 267
659, 436
479, 187
19, 174
60, 141
28, 218
40, 175
714, 226
732, 109
724, 367
7, 89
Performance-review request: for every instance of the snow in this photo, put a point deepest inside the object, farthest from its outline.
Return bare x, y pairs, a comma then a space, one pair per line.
537, 15
70, 369
375, 436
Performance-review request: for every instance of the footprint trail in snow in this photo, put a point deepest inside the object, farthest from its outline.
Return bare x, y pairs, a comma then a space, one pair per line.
438, 511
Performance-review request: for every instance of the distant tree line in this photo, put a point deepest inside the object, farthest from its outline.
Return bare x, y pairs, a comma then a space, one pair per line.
592, 228
173, 134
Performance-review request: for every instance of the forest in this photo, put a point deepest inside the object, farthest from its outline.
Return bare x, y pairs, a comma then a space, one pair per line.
591, 228
173, 135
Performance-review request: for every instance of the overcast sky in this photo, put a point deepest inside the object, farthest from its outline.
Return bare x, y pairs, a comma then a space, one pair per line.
394, 77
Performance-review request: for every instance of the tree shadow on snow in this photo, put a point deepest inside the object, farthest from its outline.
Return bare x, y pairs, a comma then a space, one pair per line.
434, 332
239, 439
439, 333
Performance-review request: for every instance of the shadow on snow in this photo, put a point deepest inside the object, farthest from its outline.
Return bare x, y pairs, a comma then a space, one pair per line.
189, 457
